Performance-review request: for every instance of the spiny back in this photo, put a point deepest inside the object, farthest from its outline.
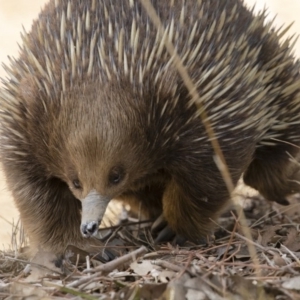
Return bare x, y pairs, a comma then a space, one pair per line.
226, 50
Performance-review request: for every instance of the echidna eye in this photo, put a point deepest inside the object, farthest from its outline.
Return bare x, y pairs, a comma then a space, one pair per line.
76, 184
116, 175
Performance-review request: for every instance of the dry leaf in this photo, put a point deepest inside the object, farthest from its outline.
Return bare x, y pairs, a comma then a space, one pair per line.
166, 276
248, 290
279, 261
293, 240
269, 234
27, 290
292, 283
152, 291
199, 288
193, 294
242, 253
142, 268
46, 261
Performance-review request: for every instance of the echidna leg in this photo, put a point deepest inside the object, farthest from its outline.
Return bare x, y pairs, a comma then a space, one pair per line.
49, 212
146, 202
274, 172
191, 217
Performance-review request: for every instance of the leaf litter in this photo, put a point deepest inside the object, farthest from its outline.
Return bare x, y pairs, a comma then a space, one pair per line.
221, 268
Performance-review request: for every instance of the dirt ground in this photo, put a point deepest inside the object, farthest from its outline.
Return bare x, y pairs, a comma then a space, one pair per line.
17, 13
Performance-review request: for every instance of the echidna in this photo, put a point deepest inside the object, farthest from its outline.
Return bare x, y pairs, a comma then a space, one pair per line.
94, 109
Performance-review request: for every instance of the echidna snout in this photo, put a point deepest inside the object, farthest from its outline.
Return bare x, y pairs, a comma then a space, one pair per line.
93, 208
89, 229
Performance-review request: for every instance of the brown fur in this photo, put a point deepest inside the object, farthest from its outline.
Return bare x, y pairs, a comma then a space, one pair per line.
64, 120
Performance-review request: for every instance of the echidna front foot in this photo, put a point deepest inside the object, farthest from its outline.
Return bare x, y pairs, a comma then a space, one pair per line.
168, 235
163, 233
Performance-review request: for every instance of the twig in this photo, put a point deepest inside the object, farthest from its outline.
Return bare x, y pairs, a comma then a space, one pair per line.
33, 264
126, 225
168, 265
108, 267
291, 253
185, 268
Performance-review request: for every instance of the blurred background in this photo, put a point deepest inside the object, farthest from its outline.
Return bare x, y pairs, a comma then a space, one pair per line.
17, 13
